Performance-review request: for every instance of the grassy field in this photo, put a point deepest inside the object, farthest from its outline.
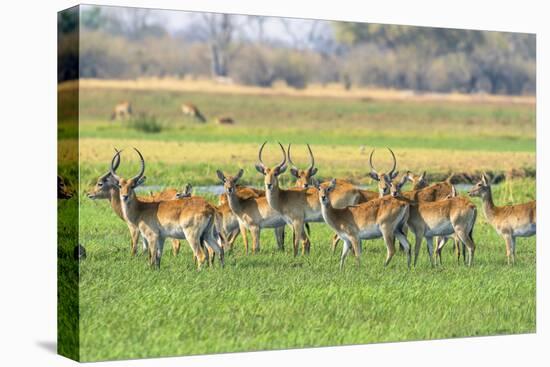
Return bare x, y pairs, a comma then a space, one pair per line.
272, 300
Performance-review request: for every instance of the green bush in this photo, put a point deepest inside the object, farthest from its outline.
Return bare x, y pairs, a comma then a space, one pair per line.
145, 123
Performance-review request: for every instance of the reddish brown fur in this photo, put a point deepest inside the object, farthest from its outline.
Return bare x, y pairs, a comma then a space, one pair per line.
381, 217
510, 221
122, 111
193, 111
191, 218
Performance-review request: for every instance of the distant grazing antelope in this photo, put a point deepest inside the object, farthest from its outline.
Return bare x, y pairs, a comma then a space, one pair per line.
509, 221
254, 212
190, 109
122, 111
191, 218
428, 219
225, 120
383, 217
106, 189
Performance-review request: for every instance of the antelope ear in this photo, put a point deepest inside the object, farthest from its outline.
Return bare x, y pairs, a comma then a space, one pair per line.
239, 175
260, 168
280, 170
220, 176
187, 189
484, 179
394, 175
374, 176
423, 175
332, 185
316, 183
294, 172
313, 172
453, 191
140, 181
110, 179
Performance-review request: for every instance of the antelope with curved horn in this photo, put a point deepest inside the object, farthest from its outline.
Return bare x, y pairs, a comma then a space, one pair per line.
191, 218
253, 212
510, 221
297, 206
106, 189
383, 217
383, 179
428, 219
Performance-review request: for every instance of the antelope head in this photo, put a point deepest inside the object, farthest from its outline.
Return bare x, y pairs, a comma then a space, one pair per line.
105, 183
271, 174
324, 191
185, 193
230, 182
396, 186
127, 186
482, 188
384, 179
418, 181
303, 177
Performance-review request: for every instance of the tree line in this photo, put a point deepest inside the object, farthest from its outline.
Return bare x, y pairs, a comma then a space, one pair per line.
130, 43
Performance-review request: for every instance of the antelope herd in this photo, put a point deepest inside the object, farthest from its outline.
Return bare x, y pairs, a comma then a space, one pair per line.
428, 211
123, 111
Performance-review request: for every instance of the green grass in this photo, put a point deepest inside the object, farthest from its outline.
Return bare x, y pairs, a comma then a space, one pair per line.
273, 301
350, 136
317, 120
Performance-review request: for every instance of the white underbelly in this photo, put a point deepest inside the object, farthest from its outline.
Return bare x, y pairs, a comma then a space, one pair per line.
526, 231
272, 222
173, 232
370, 232
314, 217
441, 229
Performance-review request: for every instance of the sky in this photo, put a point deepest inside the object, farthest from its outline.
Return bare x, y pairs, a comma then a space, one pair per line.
176, 20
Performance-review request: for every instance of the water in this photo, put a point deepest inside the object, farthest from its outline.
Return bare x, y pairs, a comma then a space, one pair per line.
218, 189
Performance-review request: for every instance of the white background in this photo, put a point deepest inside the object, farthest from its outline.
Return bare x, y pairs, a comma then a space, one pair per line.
28, 169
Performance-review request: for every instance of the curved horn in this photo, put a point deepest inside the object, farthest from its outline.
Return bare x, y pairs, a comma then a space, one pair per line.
114, 161
260, 153
117, 163
283, 162
312, 164
372, 169
394, 162
142, 169
115, 166
290, 159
